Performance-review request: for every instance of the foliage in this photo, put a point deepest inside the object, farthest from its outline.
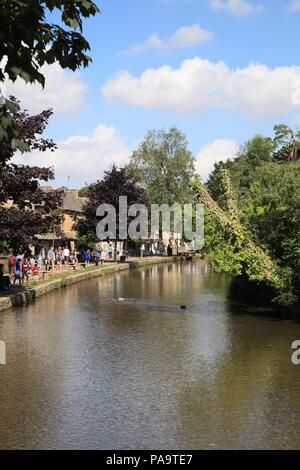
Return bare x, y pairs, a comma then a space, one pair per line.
266, 195
164, 166
115, 183
20, 191
84, 192
83, 242
287, 143
28, 41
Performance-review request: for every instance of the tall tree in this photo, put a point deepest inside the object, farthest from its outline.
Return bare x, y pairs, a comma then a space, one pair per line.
287, 143
164, 165
20, 189
28, 41
115, 183
267, 204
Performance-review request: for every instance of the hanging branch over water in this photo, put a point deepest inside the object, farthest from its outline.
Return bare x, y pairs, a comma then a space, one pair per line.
251, 259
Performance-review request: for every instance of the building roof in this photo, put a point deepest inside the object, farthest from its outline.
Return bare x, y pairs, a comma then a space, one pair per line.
72, 202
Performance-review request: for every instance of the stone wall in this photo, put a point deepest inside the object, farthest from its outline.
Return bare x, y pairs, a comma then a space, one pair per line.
29, 295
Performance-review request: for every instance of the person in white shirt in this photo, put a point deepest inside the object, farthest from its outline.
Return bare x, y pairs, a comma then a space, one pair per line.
66, 254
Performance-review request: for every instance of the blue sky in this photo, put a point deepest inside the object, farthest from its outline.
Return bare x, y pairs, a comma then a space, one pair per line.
158, 63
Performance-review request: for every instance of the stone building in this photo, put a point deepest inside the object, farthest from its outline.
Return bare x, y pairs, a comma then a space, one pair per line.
71, 207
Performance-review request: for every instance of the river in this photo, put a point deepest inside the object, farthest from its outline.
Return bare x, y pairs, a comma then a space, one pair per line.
115, 363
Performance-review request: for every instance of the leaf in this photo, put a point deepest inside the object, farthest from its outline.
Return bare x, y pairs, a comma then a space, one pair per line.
19, 145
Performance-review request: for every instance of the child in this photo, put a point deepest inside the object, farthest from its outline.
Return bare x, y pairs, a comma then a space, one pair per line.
87, 256
18, 274
35, 272
25, 269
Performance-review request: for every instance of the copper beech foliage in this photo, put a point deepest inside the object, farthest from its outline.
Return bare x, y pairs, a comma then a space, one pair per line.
26, 209
116, 182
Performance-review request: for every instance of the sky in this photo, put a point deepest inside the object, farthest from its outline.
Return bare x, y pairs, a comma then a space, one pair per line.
220, 70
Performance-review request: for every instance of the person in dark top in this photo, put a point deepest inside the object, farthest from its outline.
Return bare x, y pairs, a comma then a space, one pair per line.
4, 280
97, 256
18, 272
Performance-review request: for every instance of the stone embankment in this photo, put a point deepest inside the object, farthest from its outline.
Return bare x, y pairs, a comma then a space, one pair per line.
26, 296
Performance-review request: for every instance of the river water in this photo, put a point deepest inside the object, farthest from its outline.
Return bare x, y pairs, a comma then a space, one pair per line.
116, 363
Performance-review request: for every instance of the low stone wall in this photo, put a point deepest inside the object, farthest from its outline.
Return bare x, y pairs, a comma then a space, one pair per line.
148, 261
23, 298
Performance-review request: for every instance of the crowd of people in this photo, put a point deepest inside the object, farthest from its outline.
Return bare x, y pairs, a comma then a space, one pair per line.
19, 269
21, 266
55, 258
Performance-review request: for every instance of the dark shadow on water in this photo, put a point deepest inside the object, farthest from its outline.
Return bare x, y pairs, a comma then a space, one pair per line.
254, 299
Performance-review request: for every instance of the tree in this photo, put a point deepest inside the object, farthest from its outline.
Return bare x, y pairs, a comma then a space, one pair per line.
287, 143
243, 168
20, 190
267, 195
115, 183
84, 192
231, 248
164, 165
28, 41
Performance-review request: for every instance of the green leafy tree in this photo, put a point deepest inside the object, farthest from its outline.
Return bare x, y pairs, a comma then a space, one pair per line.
251, 156
287, 143
84, 192
266, 204
164, 166
28, 41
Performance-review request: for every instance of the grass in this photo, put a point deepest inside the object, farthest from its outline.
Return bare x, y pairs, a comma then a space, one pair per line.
64, 275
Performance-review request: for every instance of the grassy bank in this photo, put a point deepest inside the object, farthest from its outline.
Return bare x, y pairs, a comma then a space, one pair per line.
22, 296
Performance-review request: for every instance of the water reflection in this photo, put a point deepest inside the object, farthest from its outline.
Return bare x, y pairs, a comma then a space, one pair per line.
115, 363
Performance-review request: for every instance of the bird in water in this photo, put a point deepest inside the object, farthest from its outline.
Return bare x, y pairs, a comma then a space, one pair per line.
183, 307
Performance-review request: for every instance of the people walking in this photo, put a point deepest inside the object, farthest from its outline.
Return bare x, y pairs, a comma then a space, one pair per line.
4, 280
12, 265
66, 253
73, 259
59, 257
25, 266
51, 258
142, 249
41, 257
98, 254
86, 256
110, 250
35, 269
18, 272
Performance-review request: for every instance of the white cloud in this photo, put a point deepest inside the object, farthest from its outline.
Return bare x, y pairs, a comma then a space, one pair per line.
219, 150
237, 7
185, 37
258, 91
295, 5
82, 157
64, 91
